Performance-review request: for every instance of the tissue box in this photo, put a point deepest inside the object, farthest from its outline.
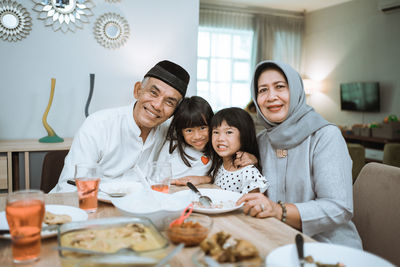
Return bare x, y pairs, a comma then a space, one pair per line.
390, 130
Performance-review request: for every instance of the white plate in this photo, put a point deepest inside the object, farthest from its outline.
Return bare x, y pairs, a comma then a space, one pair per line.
75, 213
127, 187
325, 253
218, 196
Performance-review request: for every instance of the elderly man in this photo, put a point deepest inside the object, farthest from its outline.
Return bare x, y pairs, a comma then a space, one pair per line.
117, 139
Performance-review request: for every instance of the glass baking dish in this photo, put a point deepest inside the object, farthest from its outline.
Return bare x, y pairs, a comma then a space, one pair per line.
106, 236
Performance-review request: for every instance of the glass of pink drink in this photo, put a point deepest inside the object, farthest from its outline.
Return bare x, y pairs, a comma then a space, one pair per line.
87, 179
25, 211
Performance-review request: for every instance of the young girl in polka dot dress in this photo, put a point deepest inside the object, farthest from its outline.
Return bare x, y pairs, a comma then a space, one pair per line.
233, 131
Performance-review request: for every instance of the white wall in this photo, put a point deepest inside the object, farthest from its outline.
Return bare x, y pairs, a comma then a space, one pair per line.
353, 42
158, 30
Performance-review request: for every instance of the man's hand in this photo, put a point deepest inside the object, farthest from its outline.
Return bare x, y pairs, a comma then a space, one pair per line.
244, 159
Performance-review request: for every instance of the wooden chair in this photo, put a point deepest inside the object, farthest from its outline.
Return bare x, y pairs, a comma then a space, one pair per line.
376, 210
53, 164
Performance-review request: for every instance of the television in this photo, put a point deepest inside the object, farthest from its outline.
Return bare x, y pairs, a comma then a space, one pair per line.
360, 96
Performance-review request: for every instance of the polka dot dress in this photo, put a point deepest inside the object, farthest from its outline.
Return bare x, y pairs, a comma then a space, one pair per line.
242, 181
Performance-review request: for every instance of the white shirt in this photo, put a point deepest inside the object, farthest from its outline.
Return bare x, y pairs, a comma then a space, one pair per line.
242, 181
112, 139
200, 163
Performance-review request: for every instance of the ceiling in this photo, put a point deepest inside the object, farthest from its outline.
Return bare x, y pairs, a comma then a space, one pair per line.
290, 5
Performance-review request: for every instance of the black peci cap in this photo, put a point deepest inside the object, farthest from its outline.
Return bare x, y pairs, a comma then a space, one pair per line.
172, 74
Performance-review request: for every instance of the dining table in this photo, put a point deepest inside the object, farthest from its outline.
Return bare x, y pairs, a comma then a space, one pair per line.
266, 234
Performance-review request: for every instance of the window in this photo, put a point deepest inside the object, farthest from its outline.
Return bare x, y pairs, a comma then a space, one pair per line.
224, 66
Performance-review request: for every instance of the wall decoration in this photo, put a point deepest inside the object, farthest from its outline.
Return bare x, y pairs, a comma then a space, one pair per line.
52, 137
111, 30
67, 15
90, 94
15, 21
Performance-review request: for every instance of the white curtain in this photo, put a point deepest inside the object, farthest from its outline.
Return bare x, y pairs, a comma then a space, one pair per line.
276, 37
225, 19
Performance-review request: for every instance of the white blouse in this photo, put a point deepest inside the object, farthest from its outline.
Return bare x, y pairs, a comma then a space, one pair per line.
242, 181
200, 164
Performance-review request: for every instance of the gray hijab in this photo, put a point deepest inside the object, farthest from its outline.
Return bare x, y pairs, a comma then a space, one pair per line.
302, 120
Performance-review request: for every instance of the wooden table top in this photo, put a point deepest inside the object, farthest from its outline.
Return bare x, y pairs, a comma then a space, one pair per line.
265, 234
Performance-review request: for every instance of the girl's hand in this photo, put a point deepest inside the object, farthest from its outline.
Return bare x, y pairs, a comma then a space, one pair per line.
196, 180
258, 205
244, 159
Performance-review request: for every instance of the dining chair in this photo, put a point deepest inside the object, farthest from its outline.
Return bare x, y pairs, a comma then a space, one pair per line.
391, 154
357, 155
53, 164
376, 210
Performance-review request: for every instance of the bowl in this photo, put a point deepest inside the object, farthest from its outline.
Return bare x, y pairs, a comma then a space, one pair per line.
191, 232
155, 206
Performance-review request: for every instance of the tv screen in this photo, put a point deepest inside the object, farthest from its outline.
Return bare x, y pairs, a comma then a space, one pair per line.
361, 96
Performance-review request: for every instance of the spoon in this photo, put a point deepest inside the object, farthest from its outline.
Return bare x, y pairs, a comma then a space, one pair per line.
204, 200
113, 194
300, 248
185, 214
116, 194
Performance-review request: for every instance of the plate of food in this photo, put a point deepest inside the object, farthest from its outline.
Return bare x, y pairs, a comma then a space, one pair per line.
54, 215
121, 186
317, 253
222, 200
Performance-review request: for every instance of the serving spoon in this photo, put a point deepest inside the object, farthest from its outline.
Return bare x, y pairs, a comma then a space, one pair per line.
113, 194
204, 200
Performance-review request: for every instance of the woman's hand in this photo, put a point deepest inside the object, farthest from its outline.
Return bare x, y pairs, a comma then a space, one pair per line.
196, 180
258, 205
244, 159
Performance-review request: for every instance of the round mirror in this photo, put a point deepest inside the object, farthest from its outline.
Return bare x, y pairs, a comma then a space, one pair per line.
64, 6
10, 21
112, 30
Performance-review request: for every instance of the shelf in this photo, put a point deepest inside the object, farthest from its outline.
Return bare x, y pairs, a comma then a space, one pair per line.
9, 161
369, 139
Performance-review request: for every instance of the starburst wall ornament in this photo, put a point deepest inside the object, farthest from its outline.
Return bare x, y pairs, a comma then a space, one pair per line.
67, 15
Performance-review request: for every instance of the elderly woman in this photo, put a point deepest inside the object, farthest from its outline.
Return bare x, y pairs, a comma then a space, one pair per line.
305, 158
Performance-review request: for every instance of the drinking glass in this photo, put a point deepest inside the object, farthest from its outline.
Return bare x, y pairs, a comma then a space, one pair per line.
87, 179
25, 212
159, 175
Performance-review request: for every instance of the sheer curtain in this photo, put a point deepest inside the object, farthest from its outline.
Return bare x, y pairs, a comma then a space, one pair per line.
232, 41
278, 38
225, 19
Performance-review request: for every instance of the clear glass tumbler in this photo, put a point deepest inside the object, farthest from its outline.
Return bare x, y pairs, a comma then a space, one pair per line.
87, 179
25, 212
